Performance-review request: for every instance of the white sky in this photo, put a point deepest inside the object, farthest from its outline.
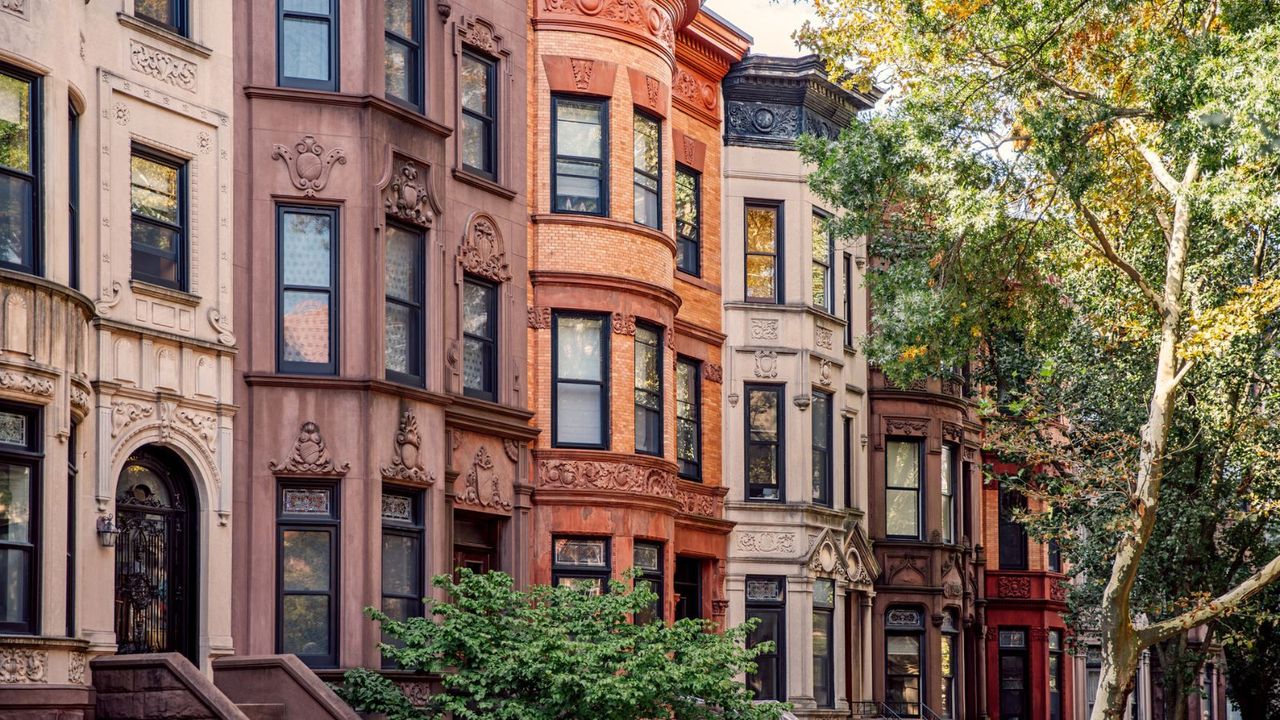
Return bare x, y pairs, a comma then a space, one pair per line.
769, 22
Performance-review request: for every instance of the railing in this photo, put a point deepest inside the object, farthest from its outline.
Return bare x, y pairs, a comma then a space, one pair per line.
928, 714
894, 711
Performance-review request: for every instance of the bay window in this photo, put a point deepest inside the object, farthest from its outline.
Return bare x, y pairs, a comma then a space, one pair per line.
19, 170
821, 447
402, 51
765, 442
580, 562
648, 390
402, 558
948, 479
480, 339
580, 369
647, 149
689, 418
688, 220
822, 262
902, 488
580, 142
479, 115
307, 575
764, 253
20, 454
307, 44
308, 309
649, 559
1013, 534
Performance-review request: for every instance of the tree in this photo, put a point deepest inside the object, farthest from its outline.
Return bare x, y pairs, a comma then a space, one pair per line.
1077, 193
561, 653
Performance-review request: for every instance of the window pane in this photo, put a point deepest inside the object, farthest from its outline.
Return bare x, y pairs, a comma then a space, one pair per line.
399, 565
821, 279
475, 84
320, 7
578, 186
578, 128
762, 471
764, 415
946, 470
686, 203
305, 560
306, 246
15, 221
647, 146
904, 654
403, 247
399, 17
477, 364
154, 190
822, 654
15, 573
401, 339
305, 54
648, 557
161, 239
647, 373
900, 515
15, 123
306, 624
647, 206
904, 464
578, 414
579, 355
399, 64
762, 226
15, 503
305, 332
475, 148
760, 276
476, 301
13, 428
160, 10
150, 265
581, 552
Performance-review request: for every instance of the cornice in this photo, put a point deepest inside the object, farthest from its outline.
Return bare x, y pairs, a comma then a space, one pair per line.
348, 100
607, 283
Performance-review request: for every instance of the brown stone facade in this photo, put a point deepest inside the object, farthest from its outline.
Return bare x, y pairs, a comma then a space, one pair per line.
377, 452
630, 57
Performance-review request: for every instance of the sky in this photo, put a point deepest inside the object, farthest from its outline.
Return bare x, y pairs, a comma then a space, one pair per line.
769, 22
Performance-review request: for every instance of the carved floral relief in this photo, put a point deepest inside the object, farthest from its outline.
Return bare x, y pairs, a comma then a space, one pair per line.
308, 163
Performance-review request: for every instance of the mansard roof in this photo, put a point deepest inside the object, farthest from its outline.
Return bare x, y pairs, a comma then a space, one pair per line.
770, 101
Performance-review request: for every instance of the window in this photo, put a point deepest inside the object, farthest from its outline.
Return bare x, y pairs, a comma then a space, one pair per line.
19, 171
1015, 700
20, 454
475, 542
402, 559
948, 638
307, 617
1055, 676
402, 51
479, 115
647, 148
402, 345
766, 602
764, 253
581, 563
822, 465
307, 48
73, 482
1210, 685
1013, 534
73, 198
902, 488
158, 203
170, 13
1055, 556
580, 139
824, 633
580, 408
904, 635
823, 250
848, 300
1093, 677
948, 493
650, 560
688, 220
308, 289
480, 339
648, 389
689, 418
764, 442
688, 586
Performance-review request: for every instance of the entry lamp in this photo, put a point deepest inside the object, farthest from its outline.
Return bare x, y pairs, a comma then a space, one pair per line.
107, 531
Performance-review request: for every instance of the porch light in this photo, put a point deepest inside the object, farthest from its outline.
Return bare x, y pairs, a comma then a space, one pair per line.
107, 531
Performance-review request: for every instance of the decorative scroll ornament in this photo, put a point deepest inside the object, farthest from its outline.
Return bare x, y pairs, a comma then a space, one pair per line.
823, 336
22, 665
952, 433
405, 197
482, 251
204, 426
713, 372
647, 17
124, 413
308, 163
763, 119
482, 473
406, 466
17, 7
479, 34
222, 325
25, 383
594, 475
824, 372
906, 426
539, 317
162, 66
110, 298
764, 329
512, 449
582, 71
1013, 586
310, 456
75, 668
624, 324
697, 92
700, 503
826, 558
767, 543
766, 364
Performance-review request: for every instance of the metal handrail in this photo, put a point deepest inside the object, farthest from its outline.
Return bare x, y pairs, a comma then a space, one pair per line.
927, 713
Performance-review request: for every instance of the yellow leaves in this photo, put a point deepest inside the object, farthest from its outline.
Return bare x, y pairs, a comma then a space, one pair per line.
913, 352
1212, 331
954, 9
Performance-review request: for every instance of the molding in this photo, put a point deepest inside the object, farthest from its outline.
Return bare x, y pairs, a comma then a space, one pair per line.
160, 33
484, 183
607, 223
140, 287
163, 66
339, 99
482, 251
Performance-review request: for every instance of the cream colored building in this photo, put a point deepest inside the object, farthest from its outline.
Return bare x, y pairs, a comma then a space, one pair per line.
795, 394
115, 343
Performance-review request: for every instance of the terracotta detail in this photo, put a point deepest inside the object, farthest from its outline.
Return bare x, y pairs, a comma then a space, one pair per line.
649, 93
605, 475
21, 665
582, 70
916, 427
310, 456
588, 76
512, 449
641, 16
479, 34
1013, 586
1058, 589
690, 152
952, 432
697, 95
406, 466
482, 472
308, 163
694, 502
405, 197
539, 317
624, 324
713, 372
482, 251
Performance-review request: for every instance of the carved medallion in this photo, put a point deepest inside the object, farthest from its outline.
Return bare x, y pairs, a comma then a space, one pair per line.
1013, 586
766, 364
406, 466
481, 486
478, 33
308, 163
22, 665
482, 251
603, 475
310, 456
405, 196
539, 317
624, 324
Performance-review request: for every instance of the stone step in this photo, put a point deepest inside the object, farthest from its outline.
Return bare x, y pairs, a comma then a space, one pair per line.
262, 711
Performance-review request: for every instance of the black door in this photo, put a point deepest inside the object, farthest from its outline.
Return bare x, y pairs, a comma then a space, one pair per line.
155, 605
1014, 695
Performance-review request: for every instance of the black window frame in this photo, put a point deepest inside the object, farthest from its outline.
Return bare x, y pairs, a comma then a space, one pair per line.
330, 523
636, 173
30, 455
948, 477
489, 122
846, 428
847, 267
73, 197
777, 609
689, 235
777, 207
695, 367
414, 67
297, 367
603, 162
828, 304
823, 458
655, 577
180, 12
1022, 652
331, 19
779, 445
34, 249
659, 396
1054, 672
1054, 551
688, 590
1013, 540
825, 613
413, 529
417, 308
490, 344
583, 572
182, 250
919, 488
604, 383
918, 633
948, 637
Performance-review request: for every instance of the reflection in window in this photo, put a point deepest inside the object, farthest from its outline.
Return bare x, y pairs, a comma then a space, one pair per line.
1013, 534
581, 563
581, 180
480, 338
580, 408
688, 220
402, 575
764, 442
308, 44
19, 170
307, 576
647, 148
157, 202
763, 253
904, 633
19, 517
308, 289
821, 447
1055, 677
824, 632
902, 489
948, 640
479, 113
948, 478
170, 13
648, 389
689, 418
402, 51
766, 602
823, 248
404, 331
650, 561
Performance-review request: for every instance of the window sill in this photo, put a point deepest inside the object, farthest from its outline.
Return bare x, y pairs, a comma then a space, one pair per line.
141, 287
160, 32
464, 176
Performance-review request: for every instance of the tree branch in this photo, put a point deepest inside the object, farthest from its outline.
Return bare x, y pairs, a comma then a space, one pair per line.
1105, 247
1158, 168
1216, 608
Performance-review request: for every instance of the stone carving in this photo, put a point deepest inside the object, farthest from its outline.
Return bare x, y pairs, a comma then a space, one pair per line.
512, 449
671, 337
17, 7
79, 398
406, 466
763, 119
491, 495
713, 372
123, 413
906, 426
767, 542
952, 589
824, 372
110, 298
478, 33
825, 557
222, 325
122, 114
405, 196
952, 433
648, 17
913, 566
22, 665
418, 693
624, 324
815, 124
823, 336
205, 140
29, 384
308, 163
764, 329
697, 503
1013, 586
539, 317
482, 251
75, 668
162, 66
310, 456
652, 89
605, 475
766, 364
582, 71
1058, 589
204, 426
695, 91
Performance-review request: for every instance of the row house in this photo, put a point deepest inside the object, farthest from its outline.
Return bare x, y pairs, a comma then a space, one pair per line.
116, 341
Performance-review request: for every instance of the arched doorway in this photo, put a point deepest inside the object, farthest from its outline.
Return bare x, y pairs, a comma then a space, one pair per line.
156, 603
